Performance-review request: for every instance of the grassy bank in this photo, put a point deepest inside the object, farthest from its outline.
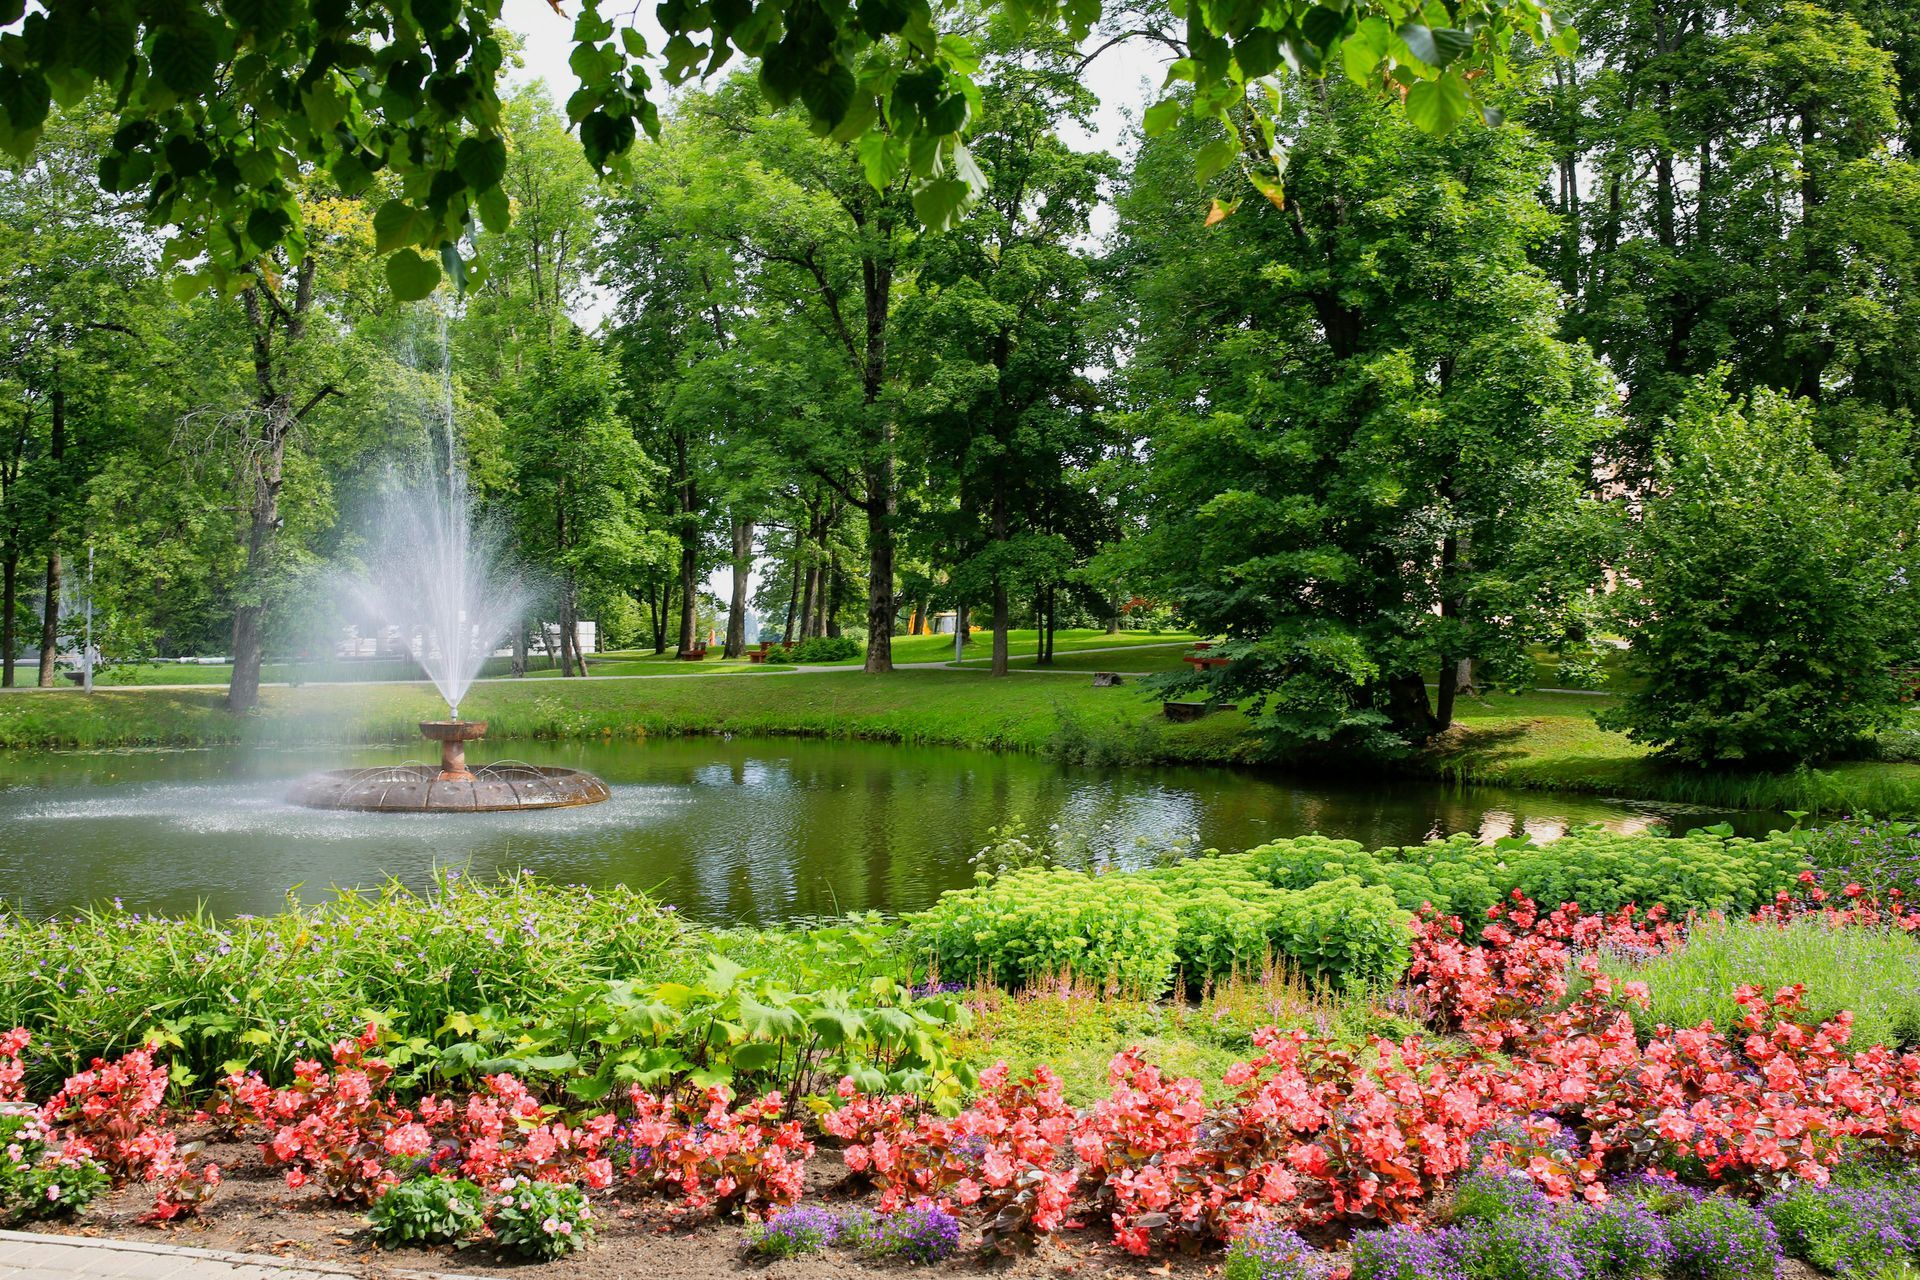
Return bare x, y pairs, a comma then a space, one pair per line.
1549, 741
936, 708
1545, 741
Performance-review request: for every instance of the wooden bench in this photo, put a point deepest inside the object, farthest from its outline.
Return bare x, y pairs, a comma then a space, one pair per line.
696, 654
1184, 712
1202, 662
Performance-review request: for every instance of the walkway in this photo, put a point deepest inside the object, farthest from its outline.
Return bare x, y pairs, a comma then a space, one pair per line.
945, 664
24, 1255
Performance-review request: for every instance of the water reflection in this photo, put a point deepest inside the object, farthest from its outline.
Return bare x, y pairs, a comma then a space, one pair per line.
726, 829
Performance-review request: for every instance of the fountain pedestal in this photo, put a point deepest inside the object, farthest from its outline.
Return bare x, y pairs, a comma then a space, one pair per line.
453, 787
453, 737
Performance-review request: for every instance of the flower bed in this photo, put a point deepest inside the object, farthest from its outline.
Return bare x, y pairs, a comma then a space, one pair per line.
1533, 1076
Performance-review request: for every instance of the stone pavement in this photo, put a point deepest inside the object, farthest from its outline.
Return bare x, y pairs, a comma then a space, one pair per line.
24, 1255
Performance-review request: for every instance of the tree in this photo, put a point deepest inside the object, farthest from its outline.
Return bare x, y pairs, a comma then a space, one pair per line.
1732, 192
577, 476
996, 341
1368, 444
74, 293
224, 111
1769, 591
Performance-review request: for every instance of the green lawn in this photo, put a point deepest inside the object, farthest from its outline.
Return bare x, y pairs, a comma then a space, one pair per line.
1535, 740
1140, 658
958, 708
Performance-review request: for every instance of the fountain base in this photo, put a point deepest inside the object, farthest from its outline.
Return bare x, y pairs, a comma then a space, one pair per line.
451, 787
425, 788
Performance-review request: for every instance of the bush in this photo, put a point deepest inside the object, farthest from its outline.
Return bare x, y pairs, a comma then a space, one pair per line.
1346, 932
825, 649
544, 1220
1723, 1239
1037, 923
428, 1209
1623, 1239
1766, 590
923, 1234
1229, 917
794, 1233
1489, 1198
1869, 970
1520, 1246
1268, 1252
1406, 1253
1863, 1231
37, 1181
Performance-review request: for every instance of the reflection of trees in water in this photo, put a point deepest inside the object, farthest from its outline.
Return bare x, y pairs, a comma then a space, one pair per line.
727, 830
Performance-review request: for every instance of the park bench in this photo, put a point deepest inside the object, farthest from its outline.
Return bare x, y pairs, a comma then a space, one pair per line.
696, 654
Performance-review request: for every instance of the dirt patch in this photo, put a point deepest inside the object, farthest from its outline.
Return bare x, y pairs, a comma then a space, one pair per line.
254, 1212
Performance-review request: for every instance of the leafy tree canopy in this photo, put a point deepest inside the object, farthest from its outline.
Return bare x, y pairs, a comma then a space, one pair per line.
221, 108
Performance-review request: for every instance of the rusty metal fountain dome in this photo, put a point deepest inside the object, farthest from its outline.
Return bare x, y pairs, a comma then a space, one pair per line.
451, 787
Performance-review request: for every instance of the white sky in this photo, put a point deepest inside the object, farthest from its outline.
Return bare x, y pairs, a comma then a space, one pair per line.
1126, 78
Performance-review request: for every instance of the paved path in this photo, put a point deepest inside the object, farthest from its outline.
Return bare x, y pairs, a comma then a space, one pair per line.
24, 1255
944, 664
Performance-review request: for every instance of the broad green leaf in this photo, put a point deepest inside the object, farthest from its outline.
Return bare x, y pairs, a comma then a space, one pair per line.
1437, 106
882, 157
393, 228
481, 162
185, 56
1213, 158
1162, 116
411, 276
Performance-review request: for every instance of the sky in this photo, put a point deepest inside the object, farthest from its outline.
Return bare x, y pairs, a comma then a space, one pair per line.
1124, 78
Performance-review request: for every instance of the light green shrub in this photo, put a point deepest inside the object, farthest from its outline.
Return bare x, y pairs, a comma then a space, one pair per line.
1035, 923
1346, 932
1229, 917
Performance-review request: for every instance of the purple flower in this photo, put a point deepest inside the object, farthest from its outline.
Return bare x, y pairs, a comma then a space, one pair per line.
1407, 1253
793, 1232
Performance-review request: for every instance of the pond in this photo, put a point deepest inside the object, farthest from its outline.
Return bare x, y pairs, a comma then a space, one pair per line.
726, 829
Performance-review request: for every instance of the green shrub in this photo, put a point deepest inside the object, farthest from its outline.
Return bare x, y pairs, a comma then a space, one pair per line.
544, 1220
1346, 932
1036, 923
1873, 972
261, 991
825, 649
428, 1209
1768, 588
1229, 917
34, 1181
1723, 1239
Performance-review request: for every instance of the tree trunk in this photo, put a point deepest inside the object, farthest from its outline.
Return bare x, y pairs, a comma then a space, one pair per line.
836, 582
1046, 655
880, 606
50, 622
520, 647
277, 417
689, 586
1000, 619
9, 625
793, 600
806, 600
50, 607
737, 602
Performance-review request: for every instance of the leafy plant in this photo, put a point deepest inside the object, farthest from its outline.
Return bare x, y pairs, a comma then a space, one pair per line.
544, 1220
794, 1233
824, 649
1720, 1238
1267, 1252
428, 1209
1034, 923
39, 1180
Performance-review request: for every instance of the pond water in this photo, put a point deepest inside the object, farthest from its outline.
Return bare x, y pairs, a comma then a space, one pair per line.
726, 829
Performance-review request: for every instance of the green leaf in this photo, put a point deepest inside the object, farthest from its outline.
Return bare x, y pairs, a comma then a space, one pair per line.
1437, 106
495, 212
759, 1056
1213, 158
411, 276
185, 57
1162, 116
828, 95
481, 162
393, 228
882, 157
263, 19
1420, 42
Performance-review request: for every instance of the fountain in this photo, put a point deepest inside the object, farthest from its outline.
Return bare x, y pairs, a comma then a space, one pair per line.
436, 576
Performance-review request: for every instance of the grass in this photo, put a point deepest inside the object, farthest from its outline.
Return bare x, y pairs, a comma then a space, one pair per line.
936, 708
1873, 972
1549, 741
1140, 658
